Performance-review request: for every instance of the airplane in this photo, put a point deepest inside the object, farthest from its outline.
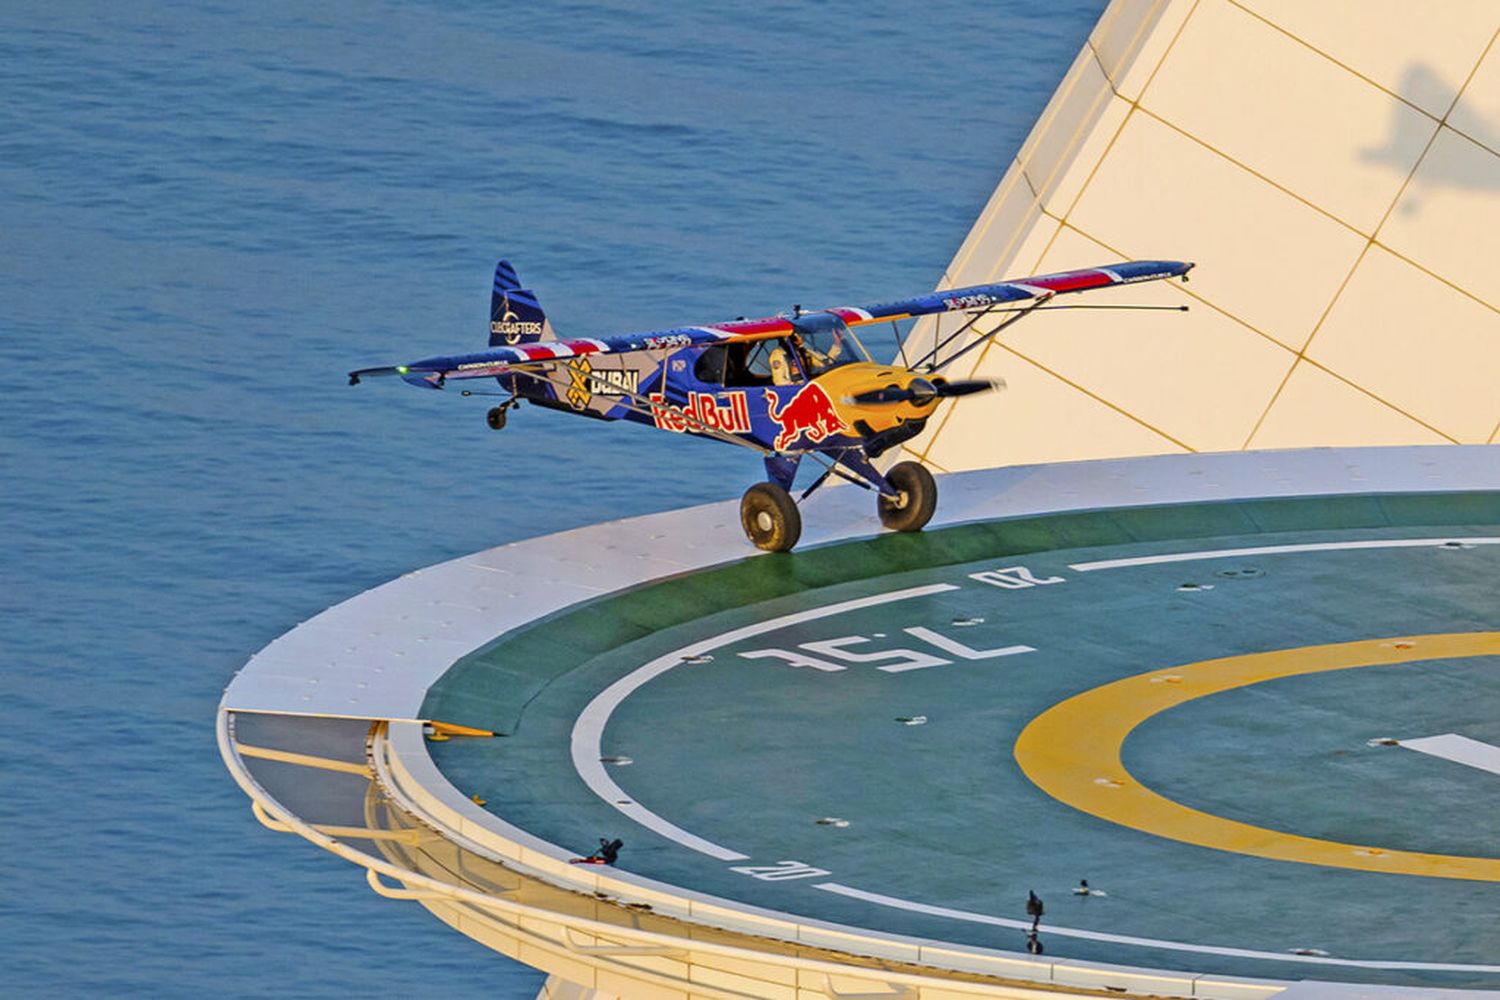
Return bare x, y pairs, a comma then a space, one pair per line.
798, 385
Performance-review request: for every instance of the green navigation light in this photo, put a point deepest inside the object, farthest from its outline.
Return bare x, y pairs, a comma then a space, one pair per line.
402, 369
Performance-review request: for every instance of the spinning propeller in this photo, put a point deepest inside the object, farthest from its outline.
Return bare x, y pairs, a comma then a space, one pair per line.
920, 391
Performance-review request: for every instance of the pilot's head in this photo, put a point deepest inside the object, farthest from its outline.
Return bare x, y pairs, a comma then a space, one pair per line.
781, 367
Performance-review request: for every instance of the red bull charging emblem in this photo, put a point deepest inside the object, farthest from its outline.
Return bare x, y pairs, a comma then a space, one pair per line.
809, 412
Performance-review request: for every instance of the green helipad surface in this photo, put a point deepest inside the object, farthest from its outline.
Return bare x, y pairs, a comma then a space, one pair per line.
1234, 812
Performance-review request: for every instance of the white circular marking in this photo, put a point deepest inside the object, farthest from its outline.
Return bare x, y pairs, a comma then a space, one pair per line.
1140, 942
1271, 550
588, 730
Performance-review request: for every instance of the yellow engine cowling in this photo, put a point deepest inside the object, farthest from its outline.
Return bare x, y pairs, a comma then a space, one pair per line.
850, 380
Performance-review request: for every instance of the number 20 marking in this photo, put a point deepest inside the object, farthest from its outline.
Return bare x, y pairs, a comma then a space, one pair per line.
1013, 578
781, 871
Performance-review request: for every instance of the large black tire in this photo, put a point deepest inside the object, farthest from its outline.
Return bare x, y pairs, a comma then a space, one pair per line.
770, 517
495, 418
916, 498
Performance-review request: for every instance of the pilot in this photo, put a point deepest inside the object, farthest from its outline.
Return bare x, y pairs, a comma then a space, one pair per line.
814, 360
781, 367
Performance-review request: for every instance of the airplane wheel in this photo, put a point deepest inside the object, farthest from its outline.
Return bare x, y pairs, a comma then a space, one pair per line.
770, 517
495, 418
916, 499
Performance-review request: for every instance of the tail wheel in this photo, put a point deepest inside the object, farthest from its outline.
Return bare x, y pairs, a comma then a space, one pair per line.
770, 517
915, 500
495, 418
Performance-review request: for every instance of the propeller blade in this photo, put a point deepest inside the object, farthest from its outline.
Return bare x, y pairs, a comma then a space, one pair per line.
921, 391
967, 387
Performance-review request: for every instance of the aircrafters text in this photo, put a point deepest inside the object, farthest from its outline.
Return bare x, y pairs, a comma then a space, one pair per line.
703, 412
513, 331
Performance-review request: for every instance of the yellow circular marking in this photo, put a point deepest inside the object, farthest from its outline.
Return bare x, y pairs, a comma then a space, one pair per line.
1072, 752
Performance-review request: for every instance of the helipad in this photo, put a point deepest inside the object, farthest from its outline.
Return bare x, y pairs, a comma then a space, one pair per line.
1251, 699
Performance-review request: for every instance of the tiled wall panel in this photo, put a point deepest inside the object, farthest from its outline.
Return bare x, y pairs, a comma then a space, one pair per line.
1336, 180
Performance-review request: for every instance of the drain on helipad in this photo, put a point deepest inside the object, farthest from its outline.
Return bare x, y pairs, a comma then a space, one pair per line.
832, 821
622, 761
912, 720
1383, 741
1190, 586
962, 622
699, 658
1456, 546
1240, 573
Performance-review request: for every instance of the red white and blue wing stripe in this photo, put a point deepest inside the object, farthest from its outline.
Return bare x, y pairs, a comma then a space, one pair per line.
433, 372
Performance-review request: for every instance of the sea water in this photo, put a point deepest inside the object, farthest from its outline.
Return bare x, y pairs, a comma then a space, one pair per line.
209, 212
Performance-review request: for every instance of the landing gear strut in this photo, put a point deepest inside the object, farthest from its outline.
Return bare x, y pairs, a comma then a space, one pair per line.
915, 500
770, 517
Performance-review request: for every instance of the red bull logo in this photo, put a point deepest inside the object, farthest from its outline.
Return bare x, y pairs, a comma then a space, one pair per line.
702, 412
809, 412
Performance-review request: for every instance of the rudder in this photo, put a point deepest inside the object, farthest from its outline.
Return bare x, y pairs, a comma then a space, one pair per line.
516, 317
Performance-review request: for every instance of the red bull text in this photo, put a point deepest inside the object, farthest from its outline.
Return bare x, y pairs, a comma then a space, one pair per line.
703, 412
809, 412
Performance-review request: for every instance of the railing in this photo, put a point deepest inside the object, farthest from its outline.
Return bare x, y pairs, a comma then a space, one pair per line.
671, 958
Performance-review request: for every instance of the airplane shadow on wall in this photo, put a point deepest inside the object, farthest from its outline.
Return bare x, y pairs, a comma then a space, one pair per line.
1409, 134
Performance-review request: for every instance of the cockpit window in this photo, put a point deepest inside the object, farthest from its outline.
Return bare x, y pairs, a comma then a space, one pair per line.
773, 362
760, 362
826, 343
821, 342
710, 365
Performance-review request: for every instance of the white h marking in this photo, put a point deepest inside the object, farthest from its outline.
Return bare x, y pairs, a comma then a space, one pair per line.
1459, 749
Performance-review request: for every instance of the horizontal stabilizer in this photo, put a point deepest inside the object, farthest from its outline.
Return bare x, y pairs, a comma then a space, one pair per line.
406, 373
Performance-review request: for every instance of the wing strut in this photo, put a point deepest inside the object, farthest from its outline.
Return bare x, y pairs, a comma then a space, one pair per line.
930, 358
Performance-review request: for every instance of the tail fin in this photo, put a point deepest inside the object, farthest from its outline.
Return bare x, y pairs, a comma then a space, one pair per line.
516, 317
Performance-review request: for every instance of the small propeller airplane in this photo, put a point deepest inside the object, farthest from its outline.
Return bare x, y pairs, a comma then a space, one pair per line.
792, 386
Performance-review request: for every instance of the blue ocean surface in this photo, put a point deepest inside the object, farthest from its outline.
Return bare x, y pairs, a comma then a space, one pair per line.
210, 211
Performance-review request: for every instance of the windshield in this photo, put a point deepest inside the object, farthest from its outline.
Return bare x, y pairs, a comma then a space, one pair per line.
826, 343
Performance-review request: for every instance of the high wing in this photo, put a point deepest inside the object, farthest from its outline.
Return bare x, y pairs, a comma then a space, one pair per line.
1040, 286
434, 372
